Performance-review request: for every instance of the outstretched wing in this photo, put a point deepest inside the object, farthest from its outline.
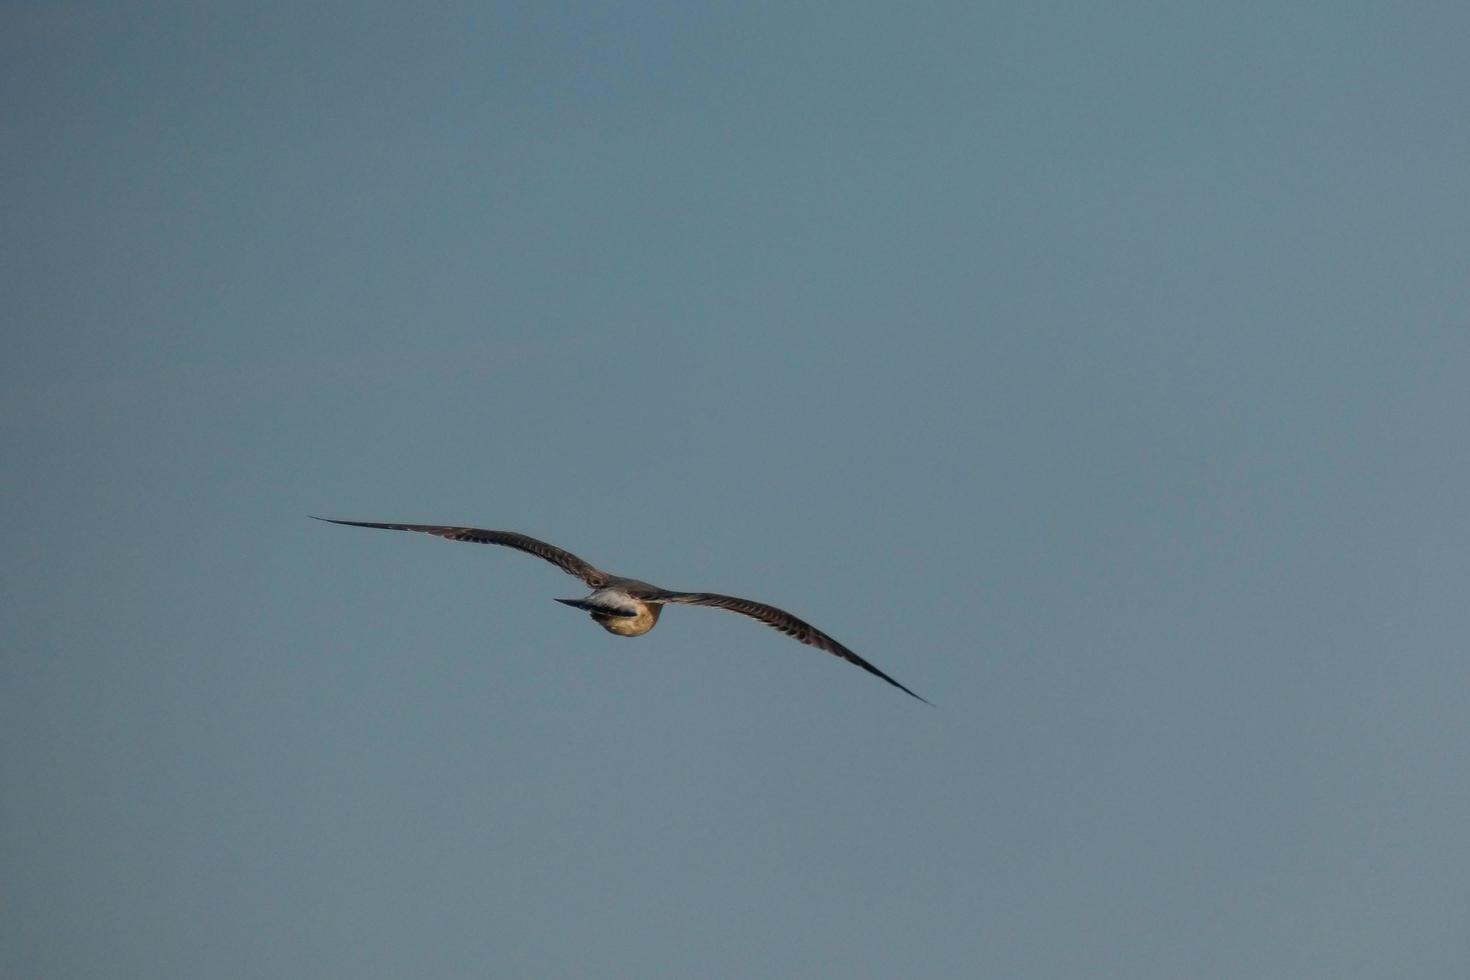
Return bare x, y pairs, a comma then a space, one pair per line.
564, 560
782, 620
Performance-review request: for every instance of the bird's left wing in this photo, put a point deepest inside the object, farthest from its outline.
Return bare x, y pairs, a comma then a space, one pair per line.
564, 560
782, 620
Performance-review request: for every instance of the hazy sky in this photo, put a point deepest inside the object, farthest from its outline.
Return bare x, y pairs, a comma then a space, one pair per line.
1100, 371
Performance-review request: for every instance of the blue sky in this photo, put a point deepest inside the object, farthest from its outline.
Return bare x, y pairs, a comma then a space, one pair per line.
1098, 372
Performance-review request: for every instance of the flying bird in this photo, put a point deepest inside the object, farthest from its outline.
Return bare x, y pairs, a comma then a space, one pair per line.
629, 607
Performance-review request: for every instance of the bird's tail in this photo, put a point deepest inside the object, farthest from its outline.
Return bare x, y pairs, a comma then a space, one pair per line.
594, 607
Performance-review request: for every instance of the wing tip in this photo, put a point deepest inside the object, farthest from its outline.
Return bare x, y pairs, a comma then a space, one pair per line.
905, 690
333, 520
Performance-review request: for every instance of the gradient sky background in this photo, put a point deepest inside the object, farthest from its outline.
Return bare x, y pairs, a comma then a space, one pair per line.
1102, 372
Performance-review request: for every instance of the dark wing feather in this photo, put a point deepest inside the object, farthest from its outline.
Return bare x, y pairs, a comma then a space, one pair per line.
564, 560
782, 620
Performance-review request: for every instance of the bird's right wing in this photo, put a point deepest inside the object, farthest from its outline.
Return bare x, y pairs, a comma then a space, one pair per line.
564, 560
780, 619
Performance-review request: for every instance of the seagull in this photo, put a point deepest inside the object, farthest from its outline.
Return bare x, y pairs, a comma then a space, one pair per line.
629, 607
